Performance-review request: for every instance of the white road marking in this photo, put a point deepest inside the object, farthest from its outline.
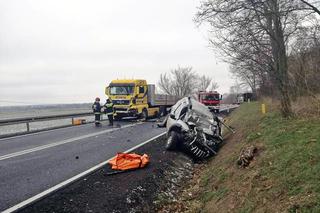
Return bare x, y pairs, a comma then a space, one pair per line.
35, 133
64, 183
70, 140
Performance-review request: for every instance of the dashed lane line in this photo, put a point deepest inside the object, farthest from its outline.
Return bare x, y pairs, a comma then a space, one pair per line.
66, 182
70, 140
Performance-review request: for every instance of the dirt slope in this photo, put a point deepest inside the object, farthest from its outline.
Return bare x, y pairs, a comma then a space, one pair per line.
283, 175
135, 191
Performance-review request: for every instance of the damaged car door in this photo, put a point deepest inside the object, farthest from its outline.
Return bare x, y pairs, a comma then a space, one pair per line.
193, 128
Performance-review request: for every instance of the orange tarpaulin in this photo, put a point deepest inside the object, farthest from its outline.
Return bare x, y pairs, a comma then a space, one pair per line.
123, 161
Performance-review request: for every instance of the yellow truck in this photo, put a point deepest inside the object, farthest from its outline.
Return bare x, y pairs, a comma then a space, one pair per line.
136, 98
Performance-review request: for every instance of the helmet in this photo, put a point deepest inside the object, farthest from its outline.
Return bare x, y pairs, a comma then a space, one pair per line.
97, 99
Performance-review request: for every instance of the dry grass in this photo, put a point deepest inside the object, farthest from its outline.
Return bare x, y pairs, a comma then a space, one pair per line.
307, 106
282, 178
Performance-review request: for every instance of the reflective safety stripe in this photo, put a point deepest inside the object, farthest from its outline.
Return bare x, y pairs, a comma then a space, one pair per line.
109, 108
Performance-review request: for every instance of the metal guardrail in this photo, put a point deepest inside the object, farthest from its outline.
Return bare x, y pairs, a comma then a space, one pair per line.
28, 120
227, 108
224, 108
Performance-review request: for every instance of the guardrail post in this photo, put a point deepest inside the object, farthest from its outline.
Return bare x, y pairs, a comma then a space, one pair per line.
28, 126
263, 108
72, 120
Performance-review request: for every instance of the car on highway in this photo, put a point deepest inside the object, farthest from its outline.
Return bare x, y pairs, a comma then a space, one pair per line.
192, 127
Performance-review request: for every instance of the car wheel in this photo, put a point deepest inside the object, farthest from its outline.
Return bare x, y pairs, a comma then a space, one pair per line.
172, 140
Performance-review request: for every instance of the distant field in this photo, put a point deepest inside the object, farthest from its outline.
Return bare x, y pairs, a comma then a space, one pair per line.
40, 110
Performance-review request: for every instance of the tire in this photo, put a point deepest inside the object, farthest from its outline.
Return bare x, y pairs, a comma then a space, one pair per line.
172, 140
163, 111
144, 115
157, 114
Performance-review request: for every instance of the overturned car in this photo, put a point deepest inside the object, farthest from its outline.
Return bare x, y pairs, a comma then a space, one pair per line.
192, 127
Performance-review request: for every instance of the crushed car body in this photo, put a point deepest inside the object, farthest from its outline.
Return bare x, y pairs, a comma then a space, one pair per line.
193, 128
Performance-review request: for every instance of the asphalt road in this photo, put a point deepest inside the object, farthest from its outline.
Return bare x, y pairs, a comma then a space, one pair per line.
30, 164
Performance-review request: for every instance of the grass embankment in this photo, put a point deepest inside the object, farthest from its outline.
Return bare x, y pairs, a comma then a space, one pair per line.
284, 176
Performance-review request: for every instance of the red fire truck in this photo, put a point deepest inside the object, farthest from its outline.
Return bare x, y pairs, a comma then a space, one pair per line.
211, 98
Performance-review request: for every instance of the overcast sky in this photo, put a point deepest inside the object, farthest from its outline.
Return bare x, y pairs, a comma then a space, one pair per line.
67, 51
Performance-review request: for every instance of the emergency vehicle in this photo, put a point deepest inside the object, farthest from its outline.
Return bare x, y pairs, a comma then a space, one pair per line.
210, 99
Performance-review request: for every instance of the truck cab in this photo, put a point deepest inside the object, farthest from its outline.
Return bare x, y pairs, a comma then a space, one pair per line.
129, 97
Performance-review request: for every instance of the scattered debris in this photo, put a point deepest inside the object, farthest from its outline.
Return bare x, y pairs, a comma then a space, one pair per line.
116, 172
143, 190
246, 156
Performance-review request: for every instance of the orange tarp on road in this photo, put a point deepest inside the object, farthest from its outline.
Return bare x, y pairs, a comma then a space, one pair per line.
123, 161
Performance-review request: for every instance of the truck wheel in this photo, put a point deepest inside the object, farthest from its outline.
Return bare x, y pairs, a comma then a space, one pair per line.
157, 114
162, 111
172, 141
144, 115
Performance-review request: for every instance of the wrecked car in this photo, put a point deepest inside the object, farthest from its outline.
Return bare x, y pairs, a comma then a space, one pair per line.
192, 127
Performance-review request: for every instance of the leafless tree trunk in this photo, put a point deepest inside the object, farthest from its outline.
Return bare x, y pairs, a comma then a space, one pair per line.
312, 7
275, 29
253, 36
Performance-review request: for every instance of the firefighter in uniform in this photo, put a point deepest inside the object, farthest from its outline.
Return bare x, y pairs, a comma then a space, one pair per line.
96, 107
108, 107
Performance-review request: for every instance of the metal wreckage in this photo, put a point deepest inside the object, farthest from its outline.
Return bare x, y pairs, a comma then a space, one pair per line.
193, 128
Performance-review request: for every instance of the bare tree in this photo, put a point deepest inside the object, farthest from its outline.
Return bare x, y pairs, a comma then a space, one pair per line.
204, 82
183, 81
180, 82
312, 6
253, 36
165, 84
304, 60
247, 75
213, 86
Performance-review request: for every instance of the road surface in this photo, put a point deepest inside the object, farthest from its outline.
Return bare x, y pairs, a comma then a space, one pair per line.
31, 164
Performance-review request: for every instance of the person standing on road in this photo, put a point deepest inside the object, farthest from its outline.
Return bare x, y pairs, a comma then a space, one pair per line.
109, 111
96, 107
